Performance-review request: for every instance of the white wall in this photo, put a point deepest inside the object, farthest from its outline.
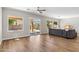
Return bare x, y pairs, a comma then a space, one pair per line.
44, 28
0, 23
26, 32
11, 12
73, 21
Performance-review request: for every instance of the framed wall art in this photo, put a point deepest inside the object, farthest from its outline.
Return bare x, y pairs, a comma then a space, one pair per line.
15, 23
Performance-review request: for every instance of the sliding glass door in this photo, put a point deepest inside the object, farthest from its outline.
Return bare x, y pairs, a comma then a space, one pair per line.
35, 26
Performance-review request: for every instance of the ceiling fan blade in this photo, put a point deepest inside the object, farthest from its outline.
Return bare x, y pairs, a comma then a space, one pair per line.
38, 9
42, 10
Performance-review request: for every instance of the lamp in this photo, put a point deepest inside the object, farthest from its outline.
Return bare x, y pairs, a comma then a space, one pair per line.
67, 27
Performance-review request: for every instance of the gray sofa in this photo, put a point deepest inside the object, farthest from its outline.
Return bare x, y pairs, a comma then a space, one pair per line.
71, 34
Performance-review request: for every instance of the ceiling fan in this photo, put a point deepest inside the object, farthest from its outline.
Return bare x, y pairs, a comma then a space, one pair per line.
40, 10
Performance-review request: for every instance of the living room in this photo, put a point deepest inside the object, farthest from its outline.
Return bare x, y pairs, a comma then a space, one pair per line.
58, 26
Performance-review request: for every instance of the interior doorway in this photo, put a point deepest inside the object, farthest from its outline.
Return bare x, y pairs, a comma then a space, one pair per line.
34, 26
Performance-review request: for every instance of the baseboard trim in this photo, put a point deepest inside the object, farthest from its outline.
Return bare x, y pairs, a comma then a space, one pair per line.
16, 37
44, 33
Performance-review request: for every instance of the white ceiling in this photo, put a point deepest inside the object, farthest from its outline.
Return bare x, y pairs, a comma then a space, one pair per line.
57, 12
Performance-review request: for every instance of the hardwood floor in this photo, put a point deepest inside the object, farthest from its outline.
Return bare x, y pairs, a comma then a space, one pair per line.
40, 43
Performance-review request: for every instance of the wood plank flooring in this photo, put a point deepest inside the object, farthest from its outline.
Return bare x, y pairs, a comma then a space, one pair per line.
40, 43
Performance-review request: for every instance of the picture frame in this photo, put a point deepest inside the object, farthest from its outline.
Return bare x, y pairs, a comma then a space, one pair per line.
15, 23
